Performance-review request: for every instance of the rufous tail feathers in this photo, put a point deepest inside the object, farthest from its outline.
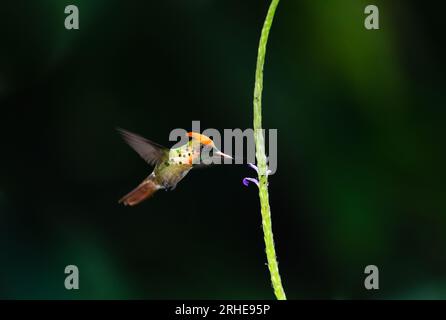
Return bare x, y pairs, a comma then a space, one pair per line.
142, 192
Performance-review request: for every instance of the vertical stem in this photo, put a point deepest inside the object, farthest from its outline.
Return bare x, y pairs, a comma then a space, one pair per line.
261, 157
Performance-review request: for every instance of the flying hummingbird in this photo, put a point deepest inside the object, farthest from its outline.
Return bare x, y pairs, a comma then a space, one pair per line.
171, 165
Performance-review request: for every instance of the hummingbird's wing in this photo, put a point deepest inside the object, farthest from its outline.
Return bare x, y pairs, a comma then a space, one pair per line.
150, 151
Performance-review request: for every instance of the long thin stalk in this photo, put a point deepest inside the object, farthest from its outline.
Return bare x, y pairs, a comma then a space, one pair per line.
261, 158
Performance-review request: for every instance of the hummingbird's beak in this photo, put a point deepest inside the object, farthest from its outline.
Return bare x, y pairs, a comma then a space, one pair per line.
223, 154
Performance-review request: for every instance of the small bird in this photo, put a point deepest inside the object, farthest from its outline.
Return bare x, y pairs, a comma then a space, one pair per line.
171, 165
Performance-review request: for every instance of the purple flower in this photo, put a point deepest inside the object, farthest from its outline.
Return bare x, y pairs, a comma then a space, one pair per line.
246, 181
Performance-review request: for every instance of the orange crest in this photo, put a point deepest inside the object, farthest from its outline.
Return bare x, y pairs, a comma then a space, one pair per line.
201, 138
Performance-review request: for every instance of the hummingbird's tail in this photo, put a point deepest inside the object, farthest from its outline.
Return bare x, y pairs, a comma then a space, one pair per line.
142, 192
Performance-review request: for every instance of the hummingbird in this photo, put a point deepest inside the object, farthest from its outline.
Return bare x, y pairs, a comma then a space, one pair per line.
170, 165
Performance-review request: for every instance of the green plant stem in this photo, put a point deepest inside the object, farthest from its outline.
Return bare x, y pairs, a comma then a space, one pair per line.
273, 266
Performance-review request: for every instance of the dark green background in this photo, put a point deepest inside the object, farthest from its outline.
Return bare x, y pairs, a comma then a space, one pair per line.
360, 117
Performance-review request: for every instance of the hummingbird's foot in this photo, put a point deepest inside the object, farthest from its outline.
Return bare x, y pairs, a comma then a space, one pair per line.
168, 187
